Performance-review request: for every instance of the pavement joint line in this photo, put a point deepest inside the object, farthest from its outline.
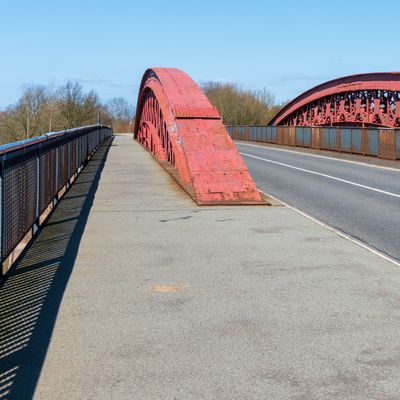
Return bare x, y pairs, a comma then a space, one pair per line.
338, 232
181, 210
320, 156
323, 175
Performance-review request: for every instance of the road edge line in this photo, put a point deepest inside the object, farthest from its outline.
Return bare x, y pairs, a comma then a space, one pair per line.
337, 231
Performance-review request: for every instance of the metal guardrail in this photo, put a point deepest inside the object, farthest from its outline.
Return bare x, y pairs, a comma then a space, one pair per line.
34, 173
379, 142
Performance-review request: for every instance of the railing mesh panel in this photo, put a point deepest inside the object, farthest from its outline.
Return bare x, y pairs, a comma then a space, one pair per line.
63, 164
33, 172
13, 204
47, 178
30, 190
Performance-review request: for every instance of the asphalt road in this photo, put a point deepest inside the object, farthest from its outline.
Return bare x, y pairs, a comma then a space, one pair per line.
359, 199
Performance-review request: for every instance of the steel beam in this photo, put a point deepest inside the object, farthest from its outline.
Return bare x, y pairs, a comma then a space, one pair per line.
364, 99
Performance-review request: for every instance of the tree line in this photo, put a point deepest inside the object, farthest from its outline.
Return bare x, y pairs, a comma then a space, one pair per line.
238, 106
42, 109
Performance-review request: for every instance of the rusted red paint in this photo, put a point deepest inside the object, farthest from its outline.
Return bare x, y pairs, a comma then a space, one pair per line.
178, 124
364, 99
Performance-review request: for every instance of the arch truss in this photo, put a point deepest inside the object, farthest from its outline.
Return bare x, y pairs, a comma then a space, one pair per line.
364, 100
178, 125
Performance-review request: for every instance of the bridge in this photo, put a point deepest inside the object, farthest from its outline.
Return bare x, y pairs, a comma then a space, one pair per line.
156, 267
364, 99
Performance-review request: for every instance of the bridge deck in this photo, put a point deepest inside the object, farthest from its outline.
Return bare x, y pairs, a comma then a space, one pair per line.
132, 291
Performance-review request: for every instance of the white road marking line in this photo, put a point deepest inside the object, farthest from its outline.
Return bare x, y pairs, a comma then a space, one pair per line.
320, 156
337, 231
321, 174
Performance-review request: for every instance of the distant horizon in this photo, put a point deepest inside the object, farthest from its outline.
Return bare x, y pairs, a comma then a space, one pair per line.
88, 88
286, 48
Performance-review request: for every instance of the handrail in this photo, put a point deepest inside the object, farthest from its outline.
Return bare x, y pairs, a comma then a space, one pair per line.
8, 147
34, 174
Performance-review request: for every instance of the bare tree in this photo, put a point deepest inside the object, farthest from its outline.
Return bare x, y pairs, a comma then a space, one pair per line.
119, 108
29, 113
91, 106
70, 98
121, 113
42, 109
241, 107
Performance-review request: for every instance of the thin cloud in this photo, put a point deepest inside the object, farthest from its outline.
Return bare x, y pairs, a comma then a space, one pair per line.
107, 83
301, 77
122, 85
92, 81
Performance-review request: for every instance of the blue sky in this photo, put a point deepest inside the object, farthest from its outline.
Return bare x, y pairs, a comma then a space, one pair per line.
284, 46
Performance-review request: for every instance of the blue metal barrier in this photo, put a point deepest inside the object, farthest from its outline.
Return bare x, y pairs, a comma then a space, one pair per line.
398, 144
372, 141
345, 140
356, 144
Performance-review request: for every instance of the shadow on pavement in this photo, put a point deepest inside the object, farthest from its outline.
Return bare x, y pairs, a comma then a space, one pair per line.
31, 295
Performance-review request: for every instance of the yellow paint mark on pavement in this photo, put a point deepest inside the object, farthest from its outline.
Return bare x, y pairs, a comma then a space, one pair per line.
168, 288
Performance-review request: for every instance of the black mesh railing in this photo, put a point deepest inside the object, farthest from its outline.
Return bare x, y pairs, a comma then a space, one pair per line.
32, 173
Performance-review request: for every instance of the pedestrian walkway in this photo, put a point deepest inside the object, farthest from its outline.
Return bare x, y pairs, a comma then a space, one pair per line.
131, 291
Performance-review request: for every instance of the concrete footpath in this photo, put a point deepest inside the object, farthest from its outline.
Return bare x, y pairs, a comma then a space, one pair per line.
167, 300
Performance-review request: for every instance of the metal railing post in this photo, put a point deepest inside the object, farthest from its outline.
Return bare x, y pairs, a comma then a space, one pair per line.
1, 215
76, 157
68, 163
38, 184
57, 172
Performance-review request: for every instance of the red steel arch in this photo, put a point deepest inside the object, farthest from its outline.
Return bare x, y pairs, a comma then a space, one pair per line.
177, 124
364, 99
